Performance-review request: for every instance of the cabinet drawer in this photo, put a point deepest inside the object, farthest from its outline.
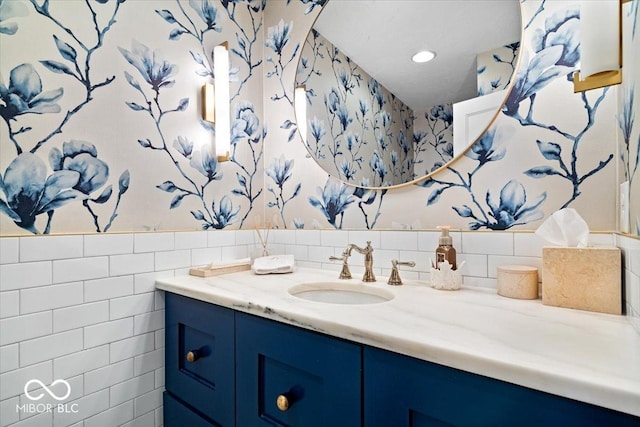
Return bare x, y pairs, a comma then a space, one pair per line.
176, 414
200, 356
318, 375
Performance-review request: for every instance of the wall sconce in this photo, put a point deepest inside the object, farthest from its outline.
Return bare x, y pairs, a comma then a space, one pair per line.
215, 101
300, 106
600, 45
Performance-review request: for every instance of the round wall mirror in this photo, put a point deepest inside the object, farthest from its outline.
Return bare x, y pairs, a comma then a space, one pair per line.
372, 117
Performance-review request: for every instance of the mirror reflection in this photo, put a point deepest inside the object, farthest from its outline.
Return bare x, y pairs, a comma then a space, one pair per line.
369, 115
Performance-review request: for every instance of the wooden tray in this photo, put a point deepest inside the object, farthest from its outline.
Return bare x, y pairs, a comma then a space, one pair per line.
207, 271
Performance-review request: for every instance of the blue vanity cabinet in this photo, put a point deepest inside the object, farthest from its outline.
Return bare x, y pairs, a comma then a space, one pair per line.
199, 359
287, 376
400, 391
227, 368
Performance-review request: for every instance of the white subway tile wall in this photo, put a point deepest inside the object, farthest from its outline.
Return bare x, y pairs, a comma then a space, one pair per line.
85, 309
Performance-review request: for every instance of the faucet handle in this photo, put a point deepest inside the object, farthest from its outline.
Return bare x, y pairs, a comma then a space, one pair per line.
344, 273
394, 277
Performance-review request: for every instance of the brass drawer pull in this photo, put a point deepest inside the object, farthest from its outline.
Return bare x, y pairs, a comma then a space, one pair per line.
282, 402
193, 355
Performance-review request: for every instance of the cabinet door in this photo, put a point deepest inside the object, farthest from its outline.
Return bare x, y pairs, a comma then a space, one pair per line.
319, 376
403, 391
199, 356
177, 414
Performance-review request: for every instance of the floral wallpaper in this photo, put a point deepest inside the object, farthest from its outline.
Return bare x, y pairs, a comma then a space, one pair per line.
101, 128
358, 131
495, 68
432, 139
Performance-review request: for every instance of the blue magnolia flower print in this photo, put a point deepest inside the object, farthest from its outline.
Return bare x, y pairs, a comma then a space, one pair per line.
483, 150
394, 158
403, 143
343, 116
225, 214
332, 100
378, 166
206, 164
156, 71
376, 91
344, 79
512, 207
382, 142
8, 10
24, 94
29, 192
386, 118
183, 146
441, 112
207, 12
312, 4
317, 128
353, 140
363, 107
280, 170
362, 192
347, 169
530, 79
278, 36
418, 137
333, 201
447, 151
246, 123
561, 29
81, 157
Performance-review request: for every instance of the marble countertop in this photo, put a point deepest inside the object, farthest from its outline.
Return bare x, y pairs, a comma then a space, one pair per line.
586, 356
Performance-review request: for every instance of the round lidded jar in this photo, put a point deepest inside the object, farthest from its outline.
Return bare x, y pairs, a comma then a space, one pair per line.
518, 281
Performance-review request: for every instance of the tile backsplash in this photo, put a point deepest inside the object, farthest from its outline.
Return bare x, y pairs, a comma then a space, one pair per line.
84, 307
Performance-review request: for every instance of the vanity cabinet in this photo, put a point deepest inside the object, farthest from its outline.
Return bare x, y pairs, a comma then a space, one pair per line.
227, 368
404, 391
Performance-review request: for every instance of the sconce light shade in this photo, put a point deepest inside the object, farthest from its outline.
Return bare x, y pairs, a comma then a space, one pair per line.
300, 105
600, 45
222, 100
599, 37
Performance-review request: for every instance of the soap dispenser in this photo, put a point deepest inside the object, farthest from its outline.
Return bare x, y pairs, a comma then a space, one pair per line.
445, 250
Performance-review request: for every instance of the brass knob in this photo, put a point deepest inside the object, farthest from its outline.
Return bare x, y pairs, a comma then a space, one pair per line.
282, 402
193, 355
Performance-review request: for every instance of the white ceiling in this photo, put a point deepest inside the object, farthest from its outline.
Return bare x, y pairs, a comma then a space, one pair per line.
382, 35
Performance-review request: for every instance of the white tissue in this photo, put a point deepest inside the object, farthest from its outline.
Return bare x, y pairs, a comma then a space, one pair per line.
273, 264
565, 228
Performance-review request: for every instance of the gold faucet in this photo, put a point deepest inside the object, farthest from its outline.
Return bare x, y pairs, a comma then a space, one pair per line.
394, 278
368, 262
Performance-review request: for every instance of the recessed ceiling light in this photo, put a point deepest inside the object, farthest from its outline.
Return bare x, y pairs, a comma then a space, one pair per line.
423, 56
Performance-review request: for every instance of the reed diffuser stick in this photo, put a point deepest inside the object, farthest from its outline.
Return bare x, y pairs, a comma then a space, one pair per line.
263, 241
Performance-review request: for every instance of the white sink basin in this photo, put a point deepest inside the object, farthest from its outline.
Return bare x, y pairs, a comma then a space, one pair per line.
341, 293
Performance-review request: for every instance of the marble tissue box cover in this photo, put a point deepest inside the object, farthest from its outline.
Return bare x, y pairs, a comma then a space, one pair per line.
582, 278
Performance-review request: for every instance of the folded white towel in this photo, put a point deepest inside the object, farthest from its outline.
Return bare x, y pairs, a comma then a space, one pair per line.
273, 264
